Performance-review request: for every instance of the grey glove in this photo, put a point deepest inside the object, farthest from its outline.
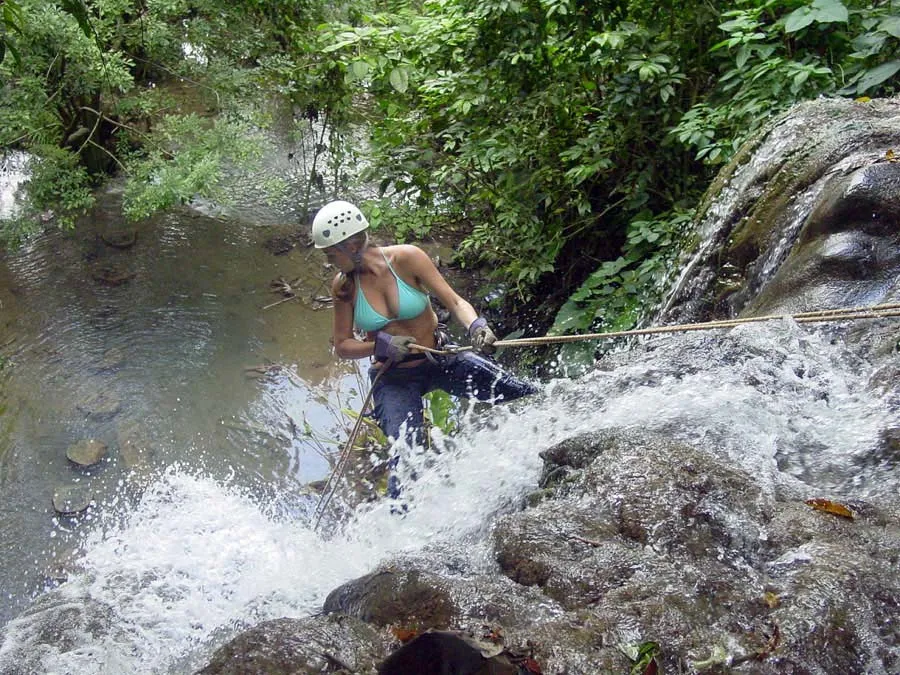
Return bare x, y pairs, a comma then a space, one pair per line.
392, 347
481, 336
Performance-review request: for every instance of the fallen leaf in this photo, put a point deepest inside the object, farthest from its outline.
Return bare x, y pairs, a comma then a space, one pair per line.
891, 156
532, 666
771, 599
403, 634
831, 507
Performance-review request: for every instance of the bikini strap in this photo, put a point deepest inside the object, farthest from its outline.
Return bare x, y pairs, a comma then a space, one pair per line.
388, 263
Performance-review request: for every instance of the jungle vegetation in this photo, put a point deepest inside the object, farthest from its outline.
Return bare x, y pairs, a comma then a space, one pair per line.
566, 140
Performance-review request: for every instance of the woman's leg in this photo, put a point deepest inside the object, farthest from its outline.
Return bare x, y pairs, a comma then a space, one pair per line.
397, 400
475, 376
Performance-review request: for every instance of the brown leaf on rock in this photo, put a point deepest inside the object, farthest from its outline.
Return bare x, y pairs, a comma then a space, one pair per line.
404, 634
828, 506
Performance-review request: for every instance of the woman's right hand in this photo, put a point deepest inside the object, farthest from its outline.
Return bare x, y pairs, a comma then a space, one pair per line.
392, 347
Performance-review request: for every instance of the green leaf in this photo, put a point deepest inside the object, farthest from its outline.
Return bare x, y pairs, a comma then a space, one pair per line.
891, 26
359, 69
830, 11
441, 411
877, 75
399, 79
798, 20
77, 9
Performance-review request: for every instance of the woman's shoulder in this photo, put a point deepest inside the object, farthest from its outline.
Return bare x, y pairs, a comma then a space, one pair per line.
405, 253
402, 249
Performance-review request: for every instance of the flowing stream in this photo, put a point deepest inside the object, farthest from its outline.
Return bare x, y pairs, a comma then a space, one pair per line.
147, 349
200, 521
201, 556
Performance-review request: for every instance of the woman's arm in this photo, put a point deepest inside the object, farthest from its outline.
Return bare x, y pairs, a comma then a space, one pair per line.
346, 346
416, 263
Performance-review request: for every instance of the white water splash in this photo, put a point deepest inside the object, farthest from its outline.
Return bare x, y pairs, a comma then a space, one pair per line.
198, 560
13, 172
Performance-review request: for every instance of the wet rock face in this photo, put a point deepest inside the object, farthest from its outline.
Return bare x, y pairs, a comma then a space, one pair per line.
702, 559
394, 597
810, 218
53, 627
848, 252
296, 646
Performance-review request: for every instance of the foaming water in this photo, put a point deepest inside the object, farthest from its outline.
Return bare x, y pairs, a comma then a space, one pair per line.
199, 559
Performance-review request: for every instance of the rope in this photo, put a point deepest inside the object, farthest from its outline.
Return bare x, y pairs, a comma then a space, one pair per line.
847, 314
331, 486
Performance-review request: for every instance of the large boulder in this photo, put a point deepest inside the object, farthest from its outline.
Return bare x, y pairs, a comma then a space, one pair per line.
806, 217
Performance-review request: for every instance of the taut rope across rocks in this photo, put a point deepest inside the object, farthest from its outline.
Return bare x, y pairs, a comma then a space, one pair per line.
827, 315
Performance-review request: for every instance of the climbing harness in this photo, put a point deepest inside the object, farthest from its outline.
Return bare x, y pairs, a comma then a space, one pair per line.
848, 314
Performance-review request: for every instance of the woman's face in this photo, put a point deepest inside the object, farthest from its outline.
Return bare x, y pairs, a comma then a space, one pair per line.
337, 256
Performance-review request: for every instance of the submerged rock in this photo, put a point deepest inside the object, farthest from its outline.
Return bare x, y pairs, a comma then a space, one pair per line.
111, 275
120, 239
87, 452
101, 406
72, 499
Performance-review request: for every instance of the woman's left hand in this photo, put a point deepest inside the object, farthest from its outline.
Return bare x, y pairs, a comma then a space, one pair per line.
482, 337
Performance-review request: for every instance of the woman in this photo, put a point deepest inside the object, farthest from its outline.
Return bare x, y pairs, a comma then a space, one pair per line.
382, 292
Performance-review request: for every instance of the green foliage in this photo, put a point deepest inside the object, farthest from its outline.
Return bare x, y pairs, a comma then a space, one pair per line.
539, 124
779, 52
644, 657
618, 294
161, 179
99, 88
557, 128
440, 411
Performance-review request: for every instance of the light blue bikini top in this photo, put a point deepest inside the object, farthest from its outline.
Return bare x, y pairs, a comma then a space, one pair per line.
411, 301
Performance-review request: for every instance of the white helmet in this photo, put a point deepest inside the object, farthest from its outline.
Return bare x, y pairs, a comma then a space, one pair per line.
335, 222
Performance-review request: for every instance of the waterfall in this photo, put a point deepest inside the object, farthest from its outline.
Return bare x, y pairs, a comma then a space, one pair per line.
198, 559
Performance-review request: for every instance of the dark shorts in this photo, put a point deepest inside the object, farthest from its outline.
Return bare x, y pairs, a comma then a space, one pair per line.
398, 393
